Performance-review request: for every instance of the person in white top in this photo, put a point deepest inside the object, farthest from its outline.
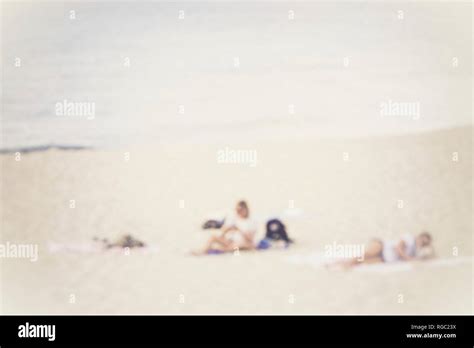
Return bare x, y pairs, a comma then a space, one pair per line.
407, 248
238, 233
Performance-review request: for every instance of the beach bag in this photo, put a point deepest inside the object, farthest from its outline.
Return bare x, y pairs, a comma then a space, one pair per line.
213, 224
276, 231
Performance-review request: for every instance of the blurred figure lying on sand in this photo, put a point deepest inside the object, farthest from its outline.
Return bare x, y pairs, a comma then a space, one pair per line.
238, 233
408, 248
126, 241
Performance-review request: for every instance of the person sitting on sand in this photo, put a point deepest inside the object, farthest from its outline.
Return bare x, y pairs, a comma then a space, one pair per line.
237, 233
126, 241
408, 248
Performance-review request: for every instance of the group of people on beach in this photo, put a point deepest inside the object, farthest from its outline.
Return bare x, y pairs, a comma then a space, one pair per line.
238, 233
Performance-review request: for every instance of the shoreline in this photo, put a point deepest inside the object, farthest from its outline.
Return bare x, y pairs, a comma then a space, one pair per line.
303, 138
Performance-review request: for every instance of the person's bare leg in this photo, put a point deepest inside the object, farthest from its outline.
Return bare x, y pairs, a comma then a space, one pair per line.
223, 244
220, 241
372, 254
229, 247
377, 259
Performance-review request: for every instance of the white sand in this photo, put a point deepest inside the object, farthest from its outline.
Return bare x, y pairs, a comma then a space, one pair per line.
343, 201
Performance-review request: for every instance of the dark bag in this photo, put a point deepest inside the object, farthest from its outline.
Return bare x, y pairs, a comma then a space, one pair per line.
277, 231
214, 224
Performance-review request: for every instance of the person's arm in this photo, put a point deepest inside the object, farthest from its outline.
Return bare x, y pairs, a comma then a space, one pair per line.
401, 251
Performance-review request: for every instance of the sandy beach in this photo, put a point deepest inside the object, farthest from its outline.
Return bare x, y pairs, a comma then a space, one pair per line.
347, 120
344, 190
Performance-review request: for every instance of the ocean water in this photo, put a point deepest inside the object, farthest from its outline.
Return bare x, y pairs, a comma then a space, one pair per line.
108, 74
